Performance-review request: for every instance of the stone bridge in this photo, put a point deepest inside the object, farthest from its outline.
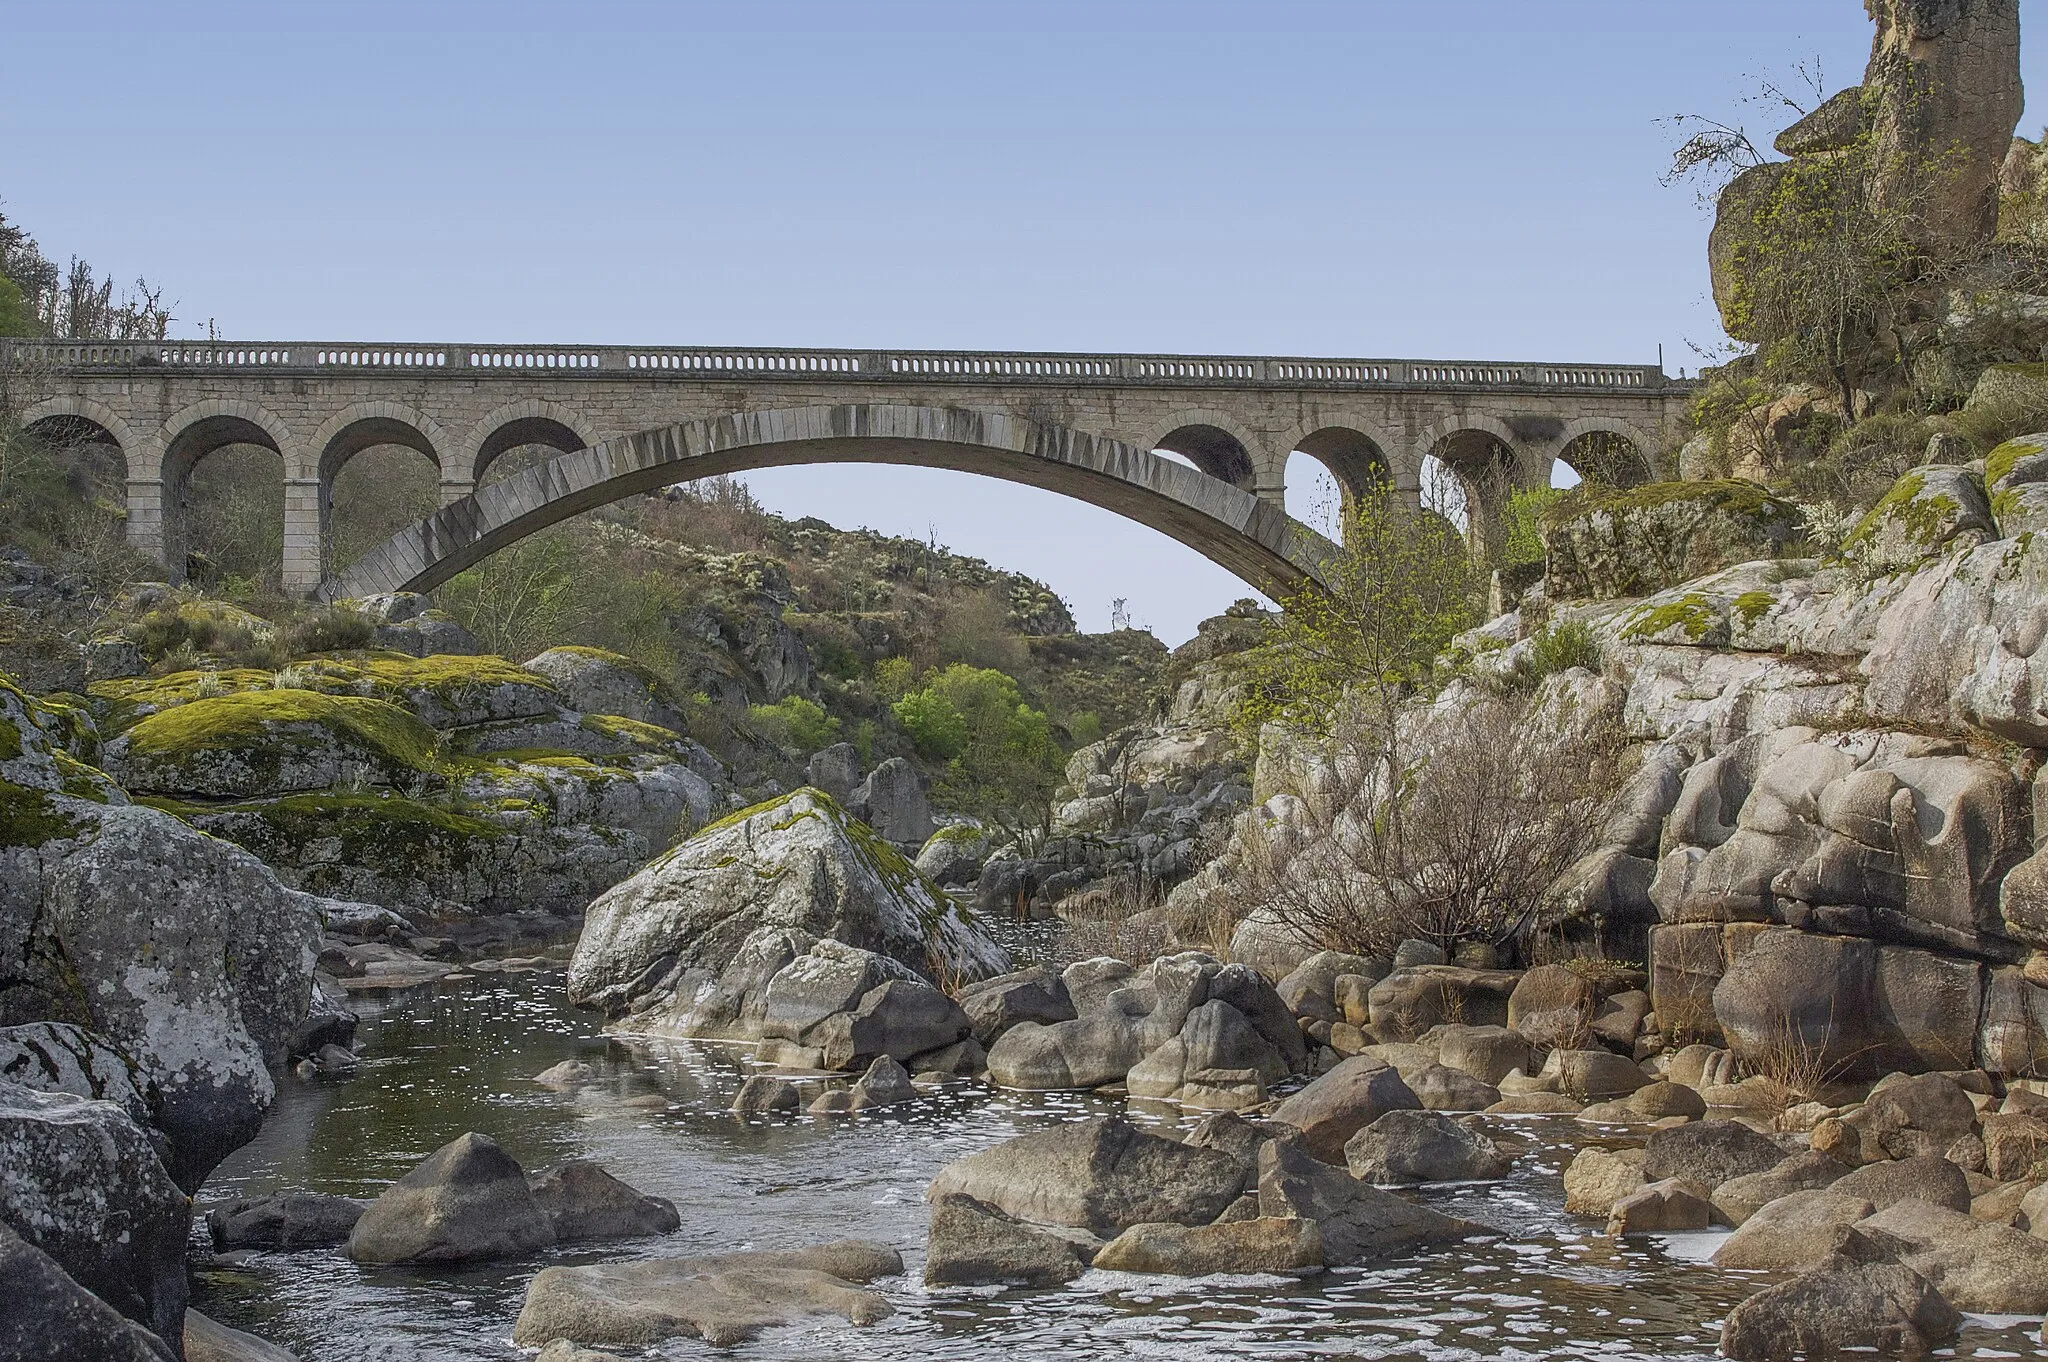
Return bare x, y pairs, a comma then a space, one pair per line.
631, 419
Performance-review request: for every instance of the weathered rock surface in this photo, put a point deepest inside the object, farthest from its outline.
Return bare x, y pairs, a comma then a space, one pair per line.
1358, 1222
1796, 1231
81, 1183
289, 1220
1597, 1178
1261, 1244
582, 1201
706, 940
1928, 1178
208, 1340
468, 1201
1102, 1175
1658, 1208
723, 1299
1879, 1307
1406, 1147
1344, 1101
1709, 1153
1975, 1265
1741, 1197
51, 1316
972, 1243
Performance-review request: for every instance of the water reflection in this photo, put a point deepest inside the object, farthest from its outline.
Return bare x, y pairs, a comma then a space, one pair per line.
459, 1057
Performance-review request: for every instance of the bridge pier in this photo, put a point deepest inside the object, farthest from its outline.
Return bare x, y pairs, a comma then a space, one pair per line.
304, 551
455, 489
146, 517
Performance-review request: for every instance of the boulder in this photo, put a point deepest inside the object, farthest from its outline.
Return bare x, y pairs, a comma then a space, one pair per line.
1441, 1088
1976, 1265
1927, 512
1657, 1101
973, 1244
1739, 1198
1268, 944
764, 1093
468, 1201
892, 800
798, 864
1598, 1178
1618, 1018
593, 681
2015, 1146
885, 1084
1927, 1178
1876, 1307
582, 1201
289, 1220
1916, 1116
566, 1076
1552, 1007
995, 1005
208, 1340
1660, 1208
1084, 1053
954, 855
1358, 1221
50, 1316
1405, 1147
1709, 1153
835, 769
1592, 1075
1410, 1001
80, 1182
59, 1057
1796, 1231
1487, 1053
1310, 988
1261, 1244
723, 1299
1102, 1175
1344, 1101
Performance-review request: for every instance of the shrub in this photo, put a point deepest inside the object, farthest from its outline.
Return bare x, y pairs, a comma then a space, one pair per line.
795, 724
1563, 646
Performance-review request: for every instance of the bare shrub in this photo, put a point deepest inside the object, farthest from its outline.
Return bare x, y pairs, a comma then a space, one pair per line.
1451, 825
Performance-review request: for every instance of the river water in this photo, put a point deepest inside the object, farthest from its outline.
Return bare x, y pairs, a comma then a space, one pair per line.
460, 1056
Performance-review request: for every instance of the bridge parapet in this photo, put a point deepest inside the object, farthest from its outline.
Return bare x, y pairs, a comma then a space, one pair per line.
875, 366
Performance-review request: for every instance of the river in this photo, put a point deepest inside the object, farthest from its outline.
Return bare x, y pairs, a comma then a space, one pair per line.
460, 1056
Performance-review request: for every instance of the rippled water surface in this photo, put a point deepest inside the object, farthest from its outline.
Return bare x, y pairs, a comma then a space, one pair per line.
461, 1056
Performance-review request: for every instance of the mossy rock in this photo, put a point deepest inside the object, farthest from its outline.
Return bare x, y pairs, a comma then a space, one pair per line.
269, 742
1606, 543
330, 843
1928, 512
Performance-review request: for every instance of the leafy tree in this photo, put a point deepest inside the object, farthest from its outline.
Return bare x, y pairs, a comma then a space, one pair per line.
17, 318
1001, 758
1522, 525
795, 723
1402, 585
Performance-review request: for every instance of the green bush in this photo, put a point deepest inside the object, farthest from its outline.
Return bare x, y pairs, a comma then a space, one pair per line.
795, 724
1522, 525
1563, 646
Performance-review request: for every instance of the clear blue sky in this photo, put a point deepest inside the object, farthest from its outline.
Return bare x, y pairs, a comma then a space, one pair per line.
1444, 178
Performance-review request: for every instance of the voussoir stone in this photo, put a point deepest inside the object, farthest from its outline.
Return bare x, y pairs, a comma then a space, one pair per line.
467, 1201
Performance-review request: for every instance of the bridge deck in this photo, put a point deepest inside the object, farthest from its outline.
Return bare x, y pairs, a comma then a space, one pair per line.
836, 365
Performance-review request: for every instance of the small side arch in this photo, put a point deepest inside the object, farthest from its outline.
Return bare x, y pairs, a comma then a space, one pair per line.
366, 425
1215, 442
1611, 451
534, 421
85, 409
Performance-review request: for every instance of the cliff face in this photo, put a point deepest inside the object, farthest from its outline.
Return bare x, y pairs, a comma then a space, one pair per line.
1830, 837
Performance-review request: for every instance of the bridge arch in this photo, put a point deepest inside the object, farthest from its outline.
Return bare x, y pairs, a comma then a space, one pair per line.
1215, 442
365, 425
203, 429
534, 421
1229, 526
52, 410
1609, 450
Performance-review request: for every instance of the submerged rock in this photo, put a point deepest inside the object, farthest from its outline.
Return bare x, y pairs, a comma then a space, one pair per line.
1357, 1221
1102, 1175
1261, 1244
467, 1202
723, 1299
582, 1201
972, 1243
291, 1220
208, 1340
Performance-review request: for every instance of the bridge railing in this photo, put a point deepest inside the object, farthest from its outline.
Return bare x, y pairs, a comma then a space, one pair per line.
885, 366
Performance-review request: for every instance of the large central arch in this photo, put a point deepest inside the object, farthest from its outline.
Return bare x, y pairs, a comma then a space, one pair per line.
1230, 527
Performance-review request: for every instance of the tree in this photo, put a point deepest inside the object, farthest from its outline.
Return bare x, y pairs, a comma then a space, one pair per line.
1402, 585
1001, 758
